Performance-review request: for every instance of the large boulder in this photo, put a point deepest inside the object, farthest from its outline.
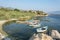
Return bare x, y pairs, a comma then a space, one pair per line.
41, 37
55, 34
46, 37
34, 37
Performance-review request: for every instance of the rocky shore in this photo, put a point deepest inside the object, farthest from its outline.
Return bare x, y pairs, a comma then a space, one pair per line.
55, 35
42, 37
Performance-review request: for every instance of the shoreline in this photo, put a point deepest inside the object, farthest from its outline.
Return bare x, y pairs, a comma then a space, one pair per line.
54, 33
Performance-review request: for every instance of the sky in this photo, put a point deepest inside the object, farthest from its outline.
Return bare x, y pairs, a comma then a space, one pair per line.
43, 5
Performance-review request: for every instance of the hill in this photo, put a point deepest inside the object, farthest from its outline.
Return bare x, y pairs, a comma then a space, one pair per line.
9, 13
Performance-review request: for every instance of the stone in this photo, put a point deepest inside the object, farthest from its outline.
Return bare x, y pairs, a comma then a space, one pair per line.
42, 37
1, 36
55, 34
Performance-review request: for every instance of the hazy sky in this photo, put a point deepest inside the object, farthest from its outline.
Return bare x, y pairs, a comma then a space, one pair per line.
44, 5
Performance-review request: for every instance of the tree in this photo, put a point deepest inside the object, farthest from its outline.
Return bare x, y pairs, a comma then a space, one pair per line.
30, 10
39, 12
16, 10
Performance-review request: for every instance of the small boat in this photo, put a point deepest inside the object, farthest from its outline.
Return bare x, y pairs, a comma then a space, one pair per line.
35, 25
42, 29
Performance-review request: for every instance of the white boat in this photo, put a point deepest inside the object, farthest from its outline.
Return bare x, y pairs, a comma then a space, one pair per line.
35, 25
43, 29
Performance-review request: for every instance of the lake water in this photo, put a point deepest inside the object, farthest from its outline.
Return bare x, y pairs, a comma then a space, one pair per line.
24, 31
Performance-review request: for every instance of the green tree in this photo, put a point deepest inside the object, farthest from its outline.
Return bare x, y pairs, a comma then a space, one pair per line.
16, 10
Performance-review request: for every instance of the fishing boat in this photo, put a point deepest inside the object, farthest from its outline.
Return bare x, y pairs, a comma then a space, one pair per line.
42, 29
35, 23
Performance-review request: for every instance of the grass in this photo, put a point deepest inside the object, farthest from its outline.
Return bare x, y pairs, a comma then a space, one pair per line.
14, 14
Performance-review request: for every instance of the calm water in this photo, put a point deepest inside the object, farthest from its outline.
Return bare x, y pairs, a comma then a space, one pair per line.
53, 23
24, 31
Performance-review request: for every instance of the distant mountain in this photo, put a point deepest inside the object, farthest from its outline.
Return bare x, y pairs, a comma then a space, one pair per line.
54, 13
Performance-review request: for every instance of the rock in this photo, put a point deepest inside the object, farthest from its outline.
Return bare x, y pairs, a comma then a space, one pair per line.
34, 37
42, 37
55, 34
1, 36
46, 37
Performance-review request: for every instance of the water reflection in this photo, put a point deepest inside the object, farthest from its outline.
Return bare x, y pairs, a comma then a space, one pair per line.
19, 31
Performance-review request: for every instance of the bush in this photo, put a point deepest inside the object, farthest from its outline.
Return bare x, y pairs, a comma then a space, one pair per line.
16, 10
